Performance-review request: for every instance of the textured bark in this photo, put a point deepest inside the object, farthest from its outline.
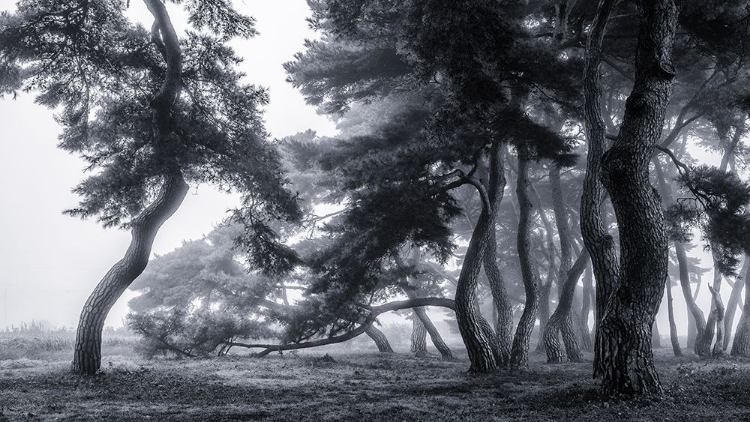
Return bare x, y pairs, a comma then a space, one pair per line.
418, 337
561, 319
718, 310
562, 315
478, 344
87, 354
626, 356
504, 310
379, 338
672, 325
734, 302
741, 344
520, 350
437, 339
598, 241
704, 341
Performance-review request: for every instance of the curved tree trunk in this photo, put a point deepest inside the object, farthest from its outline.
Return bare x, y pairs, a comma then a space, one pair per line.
672, 325
544, 309
478, 344
718, 310
626, 356
379, 338
87, 354
734, 302
598, 241
520, 350
562, 315
418, 337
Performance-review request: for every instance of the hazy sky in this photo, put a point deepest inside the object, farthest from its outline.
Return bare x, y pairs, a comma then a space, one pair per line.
49, 263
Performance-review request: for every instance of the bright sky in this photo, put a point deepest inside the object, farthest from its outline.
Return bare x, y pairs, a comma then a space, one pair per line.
49, 263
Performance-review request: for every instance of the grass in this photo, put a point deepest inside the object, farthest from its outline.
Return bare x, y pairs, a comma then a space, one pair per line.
348, 385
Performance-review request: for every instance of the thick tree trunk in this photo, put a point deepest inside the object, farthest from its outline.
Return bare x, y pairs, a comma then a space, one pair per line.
734, 302
478, 344
672, 325
87, 354
379, 338
437, 339
741, 344
418, 337
626, 356
598, 241
520, 350
718, 310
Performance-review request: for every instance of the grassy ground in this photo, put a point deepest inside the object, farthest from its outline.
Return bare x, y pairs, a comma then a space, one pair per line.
350, 386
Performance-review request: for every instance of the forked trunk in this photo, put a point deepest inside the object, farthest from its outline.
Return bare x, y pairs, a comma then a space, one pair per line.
87, 354
625, 355
520, 350
561, 320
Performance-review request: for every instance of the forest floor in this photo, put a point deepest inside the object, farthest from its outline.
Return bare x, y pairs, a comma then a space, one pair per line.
352, 386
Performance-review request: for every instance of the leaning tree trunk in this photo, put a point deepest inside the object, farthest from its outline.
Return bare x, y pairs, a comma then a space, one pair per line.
478, 344
672, 325
379, 338
734, 302
562, 314
418, 337
87, 355
626, 356
598, 241
435, 336
520, 350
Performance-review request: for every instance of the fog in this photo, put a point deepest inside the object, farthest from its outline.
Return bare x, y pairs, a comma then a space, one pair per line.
49, 262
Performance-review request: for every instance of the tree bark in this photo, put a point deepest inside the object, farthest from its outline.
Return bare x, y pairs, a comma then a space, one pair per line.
626, 356
715, 316
562, 314
437, 339
598, 241
520, 350
741, 344
87, 354
655, 336
379, 338
672, 325
734, 301
418, 337
478, 344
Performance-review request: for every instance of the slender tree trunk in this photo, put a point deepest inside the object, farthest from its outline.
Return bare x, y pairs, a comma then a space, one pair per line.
655, 336
504, 322
418, 337
379, 338
520, 350
703, 342
478, 344
87, 355
437, 340
87, 352
734, 301
562, 313
598, 241
672, 325
626, 354
544, 310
